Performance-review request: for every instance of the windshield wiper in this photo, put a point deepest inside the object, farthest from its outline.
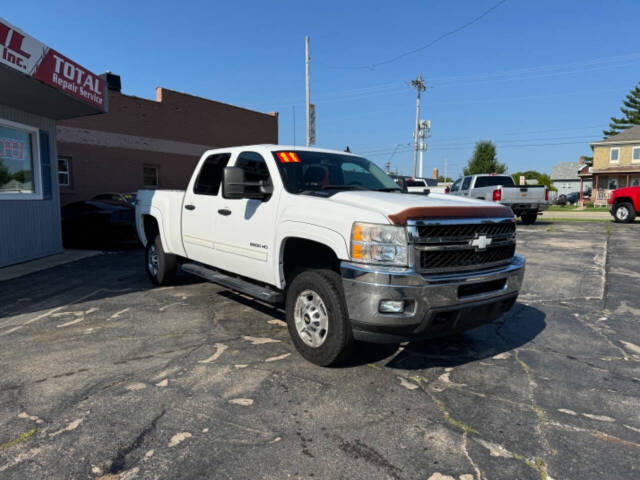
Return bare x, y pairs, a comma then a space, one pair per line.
343, 187
388, 189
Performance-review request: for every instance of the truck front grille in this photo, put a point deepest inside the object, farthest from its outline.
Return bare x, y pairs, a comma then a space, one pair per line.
462, 231
437, 260
456, 245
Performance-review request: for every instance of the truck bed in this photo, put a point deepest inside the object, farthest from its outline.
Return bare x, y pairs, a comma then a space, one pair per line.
166, 206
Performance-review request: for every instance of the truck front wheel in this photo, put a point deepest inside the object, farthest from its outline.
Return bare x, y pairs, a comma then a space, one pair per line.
317, 317
624, 212
529, 218
161, 266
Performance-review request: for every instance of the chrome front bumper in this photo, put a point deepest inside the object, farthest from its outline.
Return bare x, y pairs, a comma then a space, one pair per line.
435, 304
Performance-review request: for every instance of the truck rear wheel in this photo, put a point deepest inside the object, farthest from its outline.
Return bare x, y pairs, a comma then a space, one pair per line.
529, 218
161, 266
624, 212
317, 317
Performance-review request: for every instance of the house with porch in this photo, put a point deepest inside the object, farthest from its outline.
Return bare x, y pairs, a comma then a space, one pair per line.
616, 163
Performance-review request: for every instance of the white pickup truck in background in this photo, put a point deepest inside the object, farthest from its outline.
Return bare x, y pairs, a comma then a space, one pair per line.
526, 201
333, 238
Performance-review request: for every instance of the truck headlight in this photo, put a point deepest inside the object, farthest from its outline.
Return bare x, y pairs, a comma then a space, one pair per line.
379, 244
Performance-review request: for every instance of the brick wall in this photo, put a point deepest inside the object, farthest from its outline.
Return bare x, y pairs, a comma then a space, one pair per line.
107, 152
601, 155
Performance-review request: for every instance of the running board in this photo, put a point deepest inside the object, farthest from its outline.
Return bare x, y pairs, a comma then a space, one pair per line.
266, 294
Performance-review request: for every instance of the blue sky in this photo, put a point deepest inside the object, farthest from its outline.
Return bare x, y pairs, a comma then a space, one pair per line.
540, 79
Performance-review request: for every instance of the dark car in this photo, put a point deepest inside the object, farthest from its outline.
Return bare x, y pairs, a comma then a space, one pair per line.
106, 219
572, 198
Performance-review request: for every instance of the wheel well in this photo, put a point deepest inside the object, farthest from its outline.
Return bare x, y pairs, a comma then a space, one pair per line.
301, 254
623, 200
151, 228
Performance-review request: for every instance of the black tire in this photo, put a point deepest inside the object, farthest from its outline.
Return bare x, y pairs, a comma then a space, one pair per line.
165, 264
529, 218
624, 212
337, 343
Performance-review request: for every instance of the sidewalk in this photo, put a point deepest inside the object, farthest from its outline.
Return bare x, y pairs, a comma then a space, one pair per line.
25, 268
587, 214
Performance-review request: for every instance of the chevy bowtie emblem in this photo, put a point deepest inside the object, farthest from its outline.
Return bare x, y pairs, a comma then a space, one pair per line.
481, 243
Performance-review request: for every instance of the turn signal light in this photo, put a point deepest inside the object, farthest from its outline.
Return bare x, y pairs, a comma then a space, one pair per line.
497, 195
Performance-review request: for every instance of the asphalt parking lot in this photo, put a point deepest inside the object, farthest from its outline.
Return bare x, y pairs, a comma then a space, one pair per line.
105, 377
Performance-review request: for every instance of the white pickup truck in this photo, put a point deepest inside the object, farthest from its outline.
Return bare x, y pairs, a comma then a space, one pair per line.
526, 201
333, 238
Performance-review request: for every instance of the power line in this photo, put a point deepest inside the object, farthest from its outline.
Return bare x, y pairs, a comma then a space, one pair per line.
424, 47
600, 63
498, 142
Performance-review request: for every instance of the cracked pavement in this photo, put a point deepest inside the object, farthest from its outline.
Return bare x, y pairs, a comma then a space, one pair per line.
105, 377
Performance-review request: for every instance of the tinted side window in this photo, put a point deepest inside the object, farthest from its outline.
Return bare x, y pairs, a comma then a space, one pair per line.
210, 176
255, 169
456, 185
494, 181
466, 183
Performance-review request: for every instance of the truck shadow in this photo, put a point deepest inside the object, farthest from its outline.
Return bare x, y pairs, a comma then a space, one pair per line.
516, 328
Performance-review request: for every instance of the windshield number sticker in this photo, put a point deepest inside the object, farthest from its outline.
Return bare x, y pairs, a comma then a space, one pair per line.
288, 157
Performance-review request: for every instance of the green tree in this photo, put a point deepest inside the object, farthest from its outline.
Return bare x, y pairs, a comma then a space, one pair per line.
631, 114
442, 179
5, 176
587, 160
542, 178
22, 176
484, 160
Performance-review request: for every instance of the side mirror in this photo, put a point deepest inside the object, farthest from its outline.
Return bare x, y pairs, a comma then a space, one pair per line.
235, 186
233, 183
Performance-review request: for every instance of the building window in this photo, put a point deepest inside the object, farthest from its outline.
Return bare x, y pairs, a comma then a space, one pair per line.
613, 183
635, 181
64, 174
635, 155
614, 155
19, 161
150, 176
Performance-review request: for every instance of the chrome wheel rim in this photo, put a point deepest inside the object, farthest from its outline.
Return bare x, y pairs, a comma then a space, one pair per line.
311, 318
152, 260
622, 213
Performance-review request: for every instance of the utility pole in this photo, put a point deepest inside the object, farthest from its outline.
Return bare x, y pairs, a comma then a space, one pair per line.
446, 163
424, 132
306, 61
420, 87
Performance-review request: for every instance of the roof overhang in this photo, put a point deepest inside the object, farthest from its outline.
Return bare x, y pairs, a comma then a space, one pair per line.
621, 142
620, 169
37, 79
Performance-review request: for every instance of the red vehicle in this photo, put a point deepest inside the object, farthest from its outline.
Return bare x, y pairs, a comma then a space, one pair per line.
625, 204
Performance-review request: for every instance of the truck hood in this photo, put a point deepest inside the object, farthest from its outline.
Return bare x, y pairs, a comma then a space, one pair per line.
398, 207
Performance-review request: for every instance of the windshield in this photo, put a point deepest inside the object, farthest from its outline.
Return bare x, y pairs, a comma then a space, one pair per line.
416, 183
306, 172
493, 181
130, 198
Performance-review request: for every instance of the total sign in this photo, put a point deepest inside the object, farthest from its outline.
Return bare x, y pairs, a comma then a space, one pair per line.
26, 54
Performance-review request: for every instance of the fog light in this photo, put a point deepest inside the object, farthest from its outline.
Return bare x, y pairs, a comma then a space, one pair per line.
391, 306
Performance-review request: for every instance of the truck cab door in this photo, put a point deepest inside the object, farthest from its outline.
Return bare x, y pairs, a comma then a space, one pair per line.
245, 228
199, 210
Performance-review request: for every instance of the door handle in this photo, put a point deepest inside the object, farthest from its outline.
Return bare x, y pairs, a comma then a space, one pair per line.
190, 207
224, 211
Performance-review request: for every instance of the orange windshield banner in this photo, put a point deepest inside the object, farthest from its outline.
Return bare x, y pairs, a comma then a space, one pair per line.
288, 157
